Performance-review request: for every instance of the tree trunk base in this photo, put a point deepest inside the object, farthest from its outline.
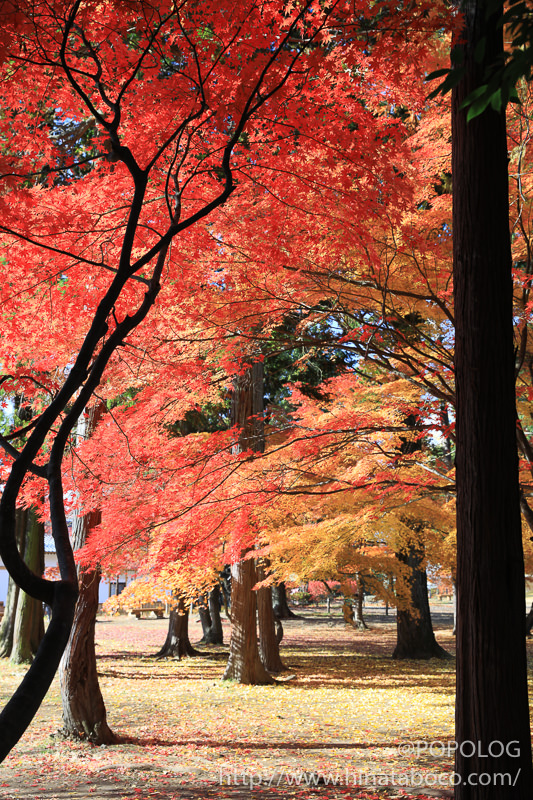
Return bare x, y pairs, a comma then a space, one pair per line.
423, 654
257, 676
244, 664
177, 651
177, 644
99, 734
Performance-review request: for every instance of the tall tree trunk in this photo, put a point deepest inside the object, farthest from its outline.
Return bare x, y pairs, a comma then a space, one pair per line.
279, 600
28, 629
268, 639
177, 644
492, 697
84, 712
209, 610
415, 637
244, 664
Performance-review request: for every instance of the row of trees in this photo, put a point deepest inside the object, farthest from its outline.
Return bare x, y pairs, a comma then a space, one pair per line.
206, 209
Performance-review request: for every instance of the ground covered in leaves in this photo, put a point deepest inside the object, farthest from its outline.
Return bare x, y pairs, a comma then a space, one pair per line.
345, 720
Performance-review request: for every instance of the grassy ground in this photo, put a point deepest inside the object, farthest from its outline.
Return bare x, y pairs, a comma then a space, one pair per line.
344, 713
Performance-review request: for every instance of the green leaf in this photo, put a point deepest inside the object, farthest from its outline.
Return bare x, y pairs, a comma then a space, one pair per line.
438, 73
477, 107
513, 96
481, 91
496, 100
449, 83
479, 52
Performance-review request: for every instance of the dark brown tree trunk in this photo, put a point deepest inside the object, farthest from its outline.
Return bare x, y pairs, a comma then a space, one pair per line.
268, 639
209, 610
214, 611
205, 619
415, 637
84, 712
492, 696
177, 644
279, 600
225, 590
244, 664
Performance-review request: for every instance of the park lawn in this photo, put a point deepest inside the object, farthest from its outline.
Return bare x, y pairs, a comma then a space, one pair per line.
343, 713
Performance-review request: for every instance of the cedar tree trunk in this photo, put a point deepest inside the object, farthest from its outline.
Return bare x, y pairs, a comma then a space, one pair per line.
492, 698
177, 644
244, 663
268, 635
415, 637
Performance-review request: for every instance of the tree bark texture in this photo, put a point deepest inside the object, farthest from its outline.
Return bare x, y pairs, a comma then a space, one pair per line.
177, 644
28, 629
268, 638
7, 628
492, 699
244, 664
279, 600
209, 611
415, 637
84, 712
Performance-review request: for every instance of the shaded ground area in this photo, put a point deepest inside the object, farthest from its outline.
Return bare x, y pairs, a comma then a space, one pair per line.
340, 723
